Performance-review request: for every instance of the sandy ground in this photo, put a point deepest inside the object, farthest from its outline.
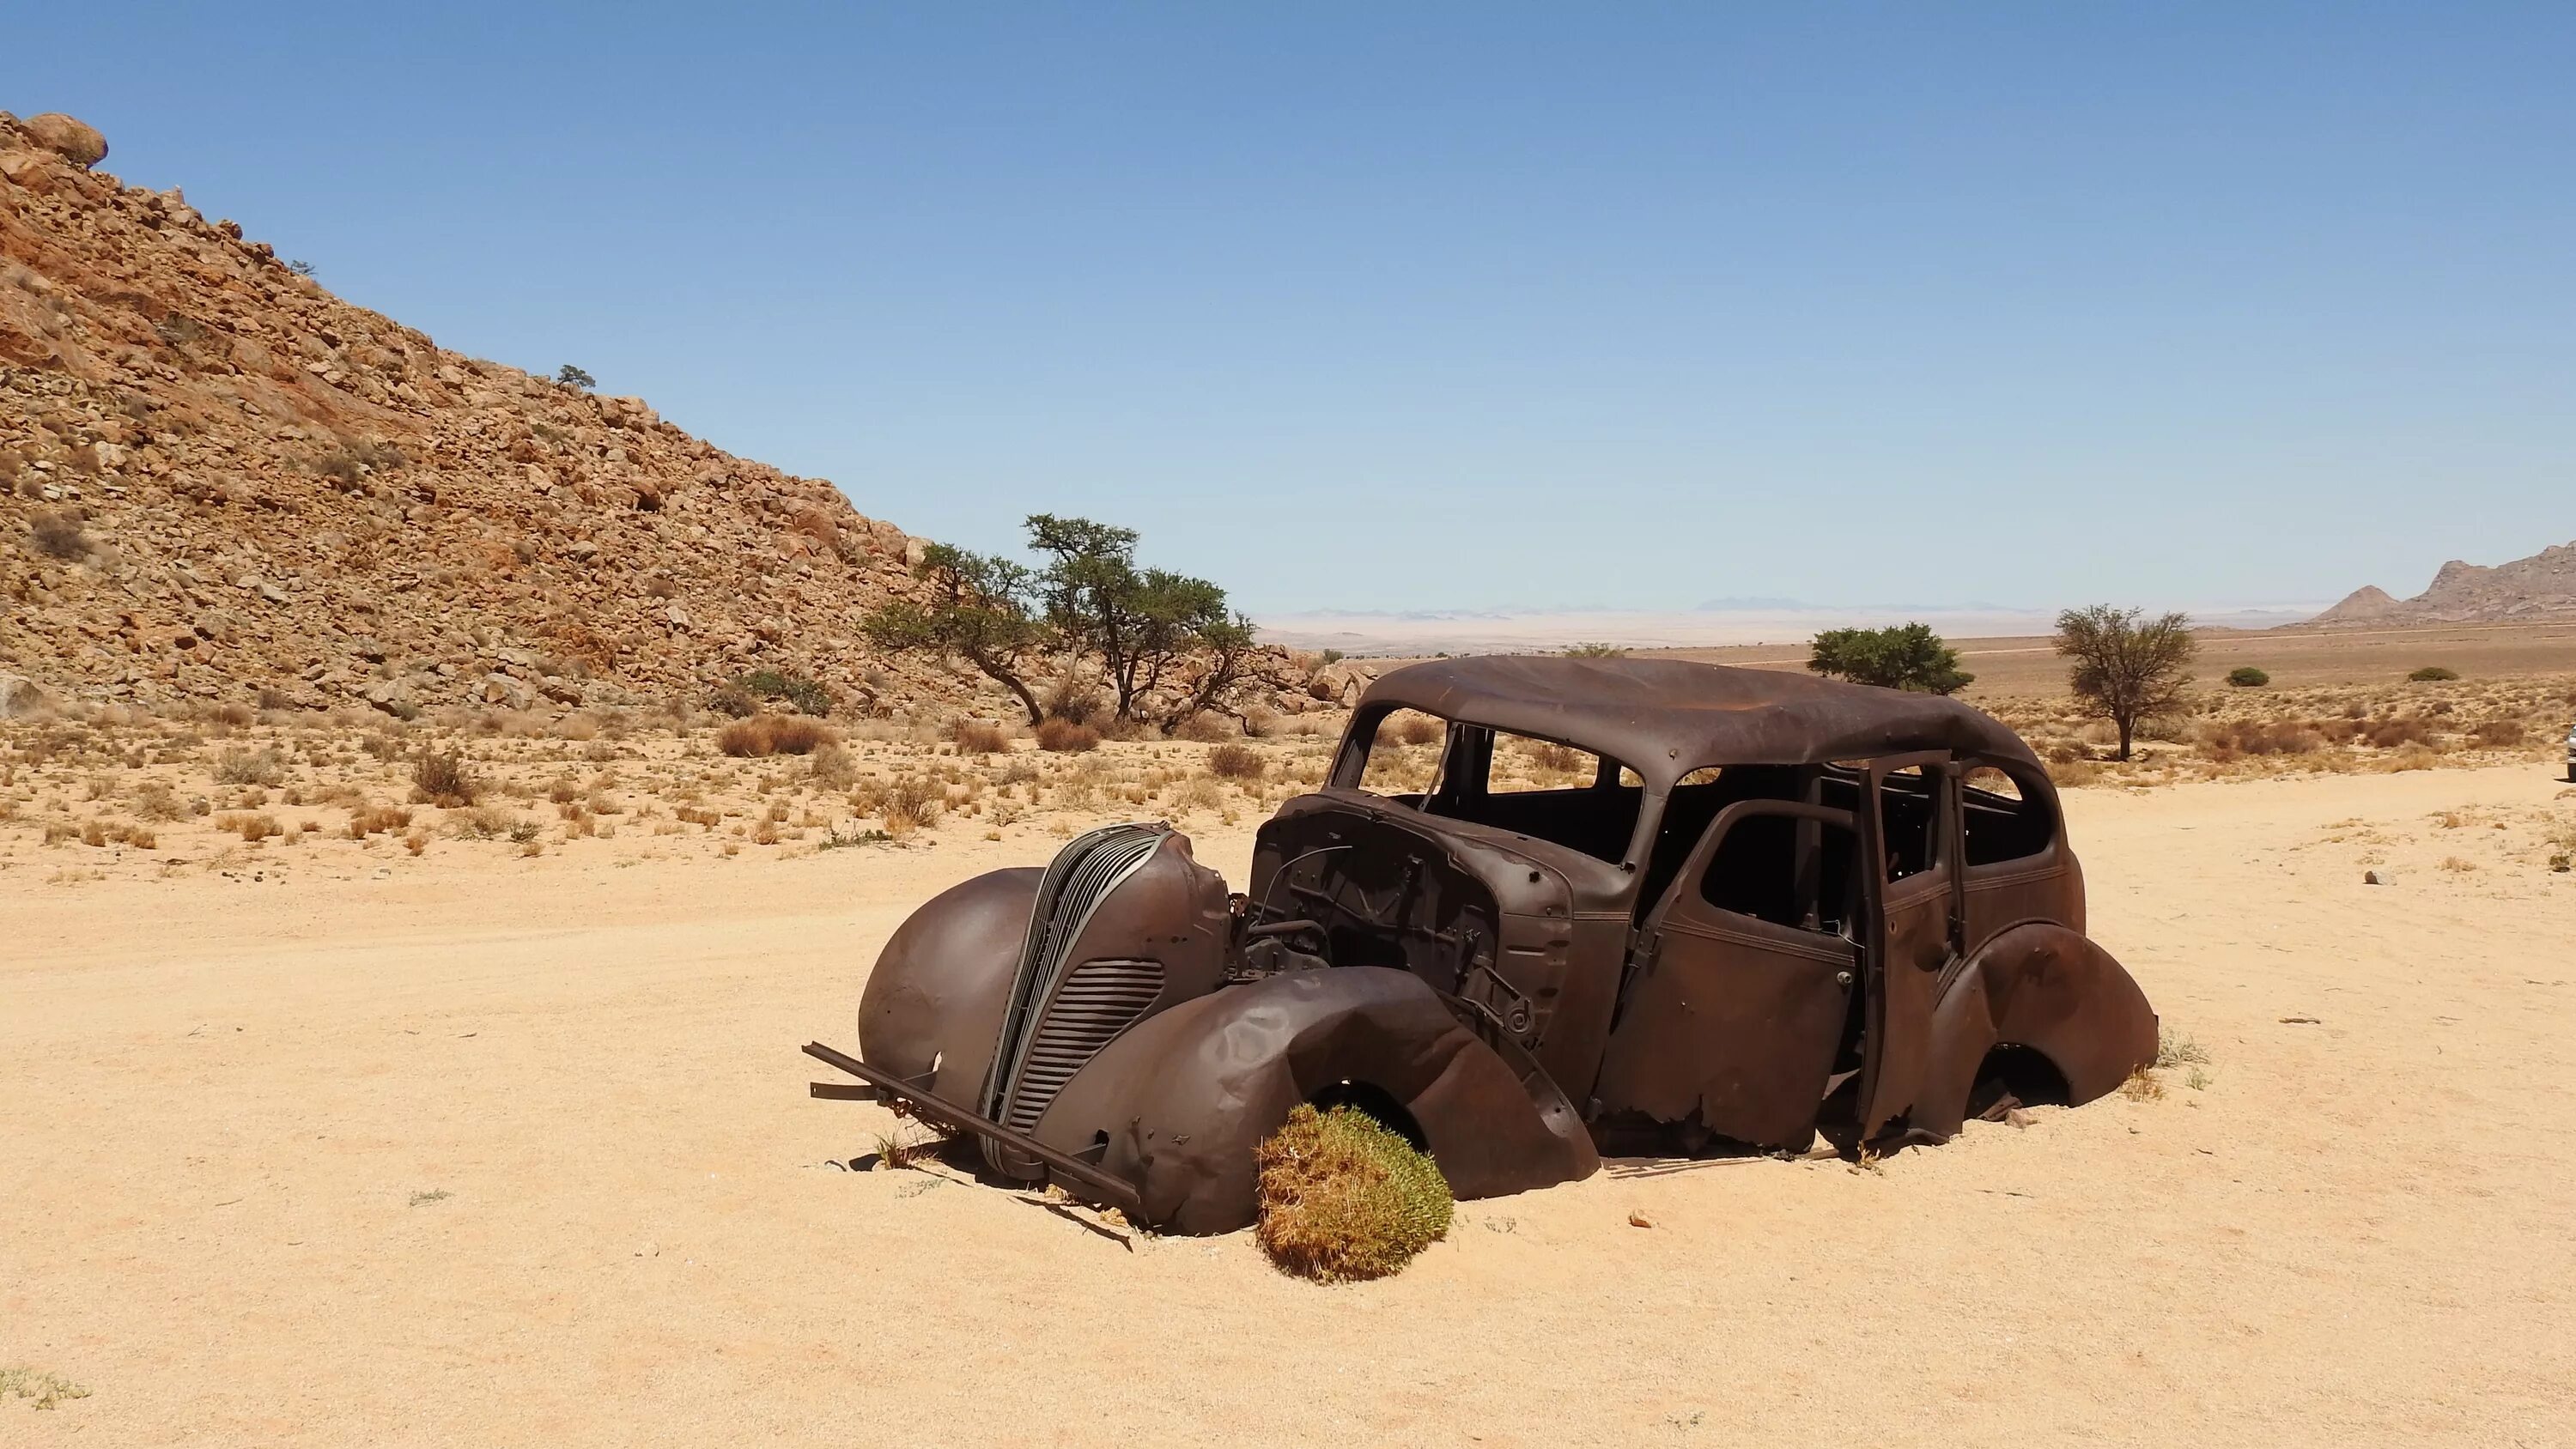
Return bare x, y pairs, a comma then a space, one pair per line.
519, 1153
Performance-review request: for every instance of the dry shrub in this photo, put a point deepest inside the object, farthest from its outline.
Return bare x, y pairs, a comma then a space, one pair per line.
1342, 1198
1416, 729
2230, 738
250, 827
250, 767
774, 734
1065, 736
2072, 774
1206, 728
443, 780
2501, 733
377, 819
977, 737
832, 767
2389, 734
1235, 762
1072, 699
911, 802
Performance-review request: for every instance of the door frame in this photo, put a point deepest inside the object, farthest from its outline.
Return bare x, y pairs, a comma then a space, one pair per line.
1892, 1033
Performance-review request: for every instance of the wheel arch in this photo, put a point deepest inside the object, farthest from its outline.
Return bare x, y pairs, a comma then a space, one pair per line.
1179, 1104
2042, 988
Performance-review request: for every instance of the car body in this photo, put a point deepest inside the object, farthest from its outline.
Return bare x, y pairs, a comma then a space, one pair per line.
2571, 753
1605, 905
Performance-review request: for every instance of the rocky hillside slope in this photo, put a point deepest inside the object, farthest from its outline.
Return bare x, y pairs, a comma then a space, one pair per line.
2542, 586
223, 482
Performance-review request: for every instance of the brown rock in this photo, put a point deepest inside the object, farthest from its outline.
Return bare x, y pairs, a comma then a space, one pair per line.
75, 142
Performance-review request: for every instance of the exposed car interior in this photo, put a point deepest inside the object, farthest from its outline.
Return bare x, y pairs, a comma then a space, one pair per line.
1483, 775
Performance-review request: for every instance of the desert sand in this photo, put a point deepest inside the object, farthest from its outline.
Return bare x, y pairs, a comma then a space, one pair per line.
484, 1150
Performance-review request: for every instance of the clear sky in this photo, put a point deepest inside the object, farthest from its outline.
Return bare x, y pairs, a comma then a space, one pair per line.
1388, 306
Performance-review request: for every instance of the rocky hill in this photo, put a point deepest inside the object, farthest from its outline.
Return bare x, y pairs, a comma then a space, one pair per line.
2542, 586
223, 482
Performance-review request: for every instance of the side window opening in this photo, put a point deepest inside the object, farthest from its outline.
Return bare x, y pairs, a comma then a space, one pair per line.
2001, 819
1754, 872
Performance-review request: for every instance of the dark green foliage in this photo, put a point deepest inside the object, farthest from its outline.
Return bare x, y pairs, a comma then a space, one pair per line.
979, 611
572, 376
2246, 676
2127, 667
1145, 627
1342, 1198
2433, 674
1908, 656
1140, 623
1595, 650
803, 695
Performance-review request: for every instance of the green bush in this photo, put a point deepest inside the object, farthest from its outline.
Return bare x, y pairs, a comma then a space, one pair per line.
2433, 674
802, 695
2246, 676
1343, 1199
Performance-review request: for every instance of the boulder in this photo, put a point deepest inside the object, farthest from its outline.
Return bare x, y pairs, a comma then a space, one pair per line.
75, 142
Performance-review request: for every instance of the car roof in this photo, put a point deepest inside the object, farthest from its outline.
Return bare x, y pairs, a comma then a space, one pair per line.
1664, 718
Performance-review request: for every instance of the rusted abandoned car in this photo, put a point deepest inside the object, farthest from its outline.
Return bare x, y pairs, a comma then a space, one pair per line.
1598, 905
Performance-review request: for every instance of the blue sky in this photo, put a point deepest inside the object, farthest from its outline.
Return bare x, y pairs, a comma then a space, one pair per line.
1420, 306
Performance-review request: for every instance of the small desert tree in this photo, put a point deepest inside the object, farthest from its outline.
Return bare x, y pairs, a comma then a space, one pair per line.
571, 376
2127, 667
980, 610
1908, 656
1142, 624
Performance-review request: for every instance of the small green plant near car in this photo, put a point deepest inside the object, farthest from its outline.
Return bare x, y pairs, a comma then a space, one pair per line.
2246, 676
2433, 674
1342, 1198
837, 839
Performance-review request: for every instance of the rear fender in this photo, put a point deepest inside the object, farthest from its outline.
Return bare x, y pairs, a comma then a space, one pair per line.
1179, 1104
2041, 986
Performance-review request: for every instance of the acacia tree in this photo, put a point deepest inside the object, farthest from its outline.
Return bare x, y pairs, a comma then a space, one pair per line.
1143, 624
2127, 667
1908, 656
980, 610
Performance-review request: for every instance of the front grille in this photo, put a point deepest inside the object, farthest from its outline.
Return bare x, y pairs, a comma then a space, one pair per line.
1061, 1014
1092, 1004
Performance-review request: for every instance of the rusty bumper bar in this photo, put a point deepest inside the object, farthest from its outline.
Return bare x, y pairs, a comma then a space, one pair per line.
1102, 1187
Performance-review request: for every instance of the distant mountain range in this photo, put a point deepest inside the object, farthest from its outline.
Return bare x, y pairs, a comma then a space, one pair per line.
2541, 587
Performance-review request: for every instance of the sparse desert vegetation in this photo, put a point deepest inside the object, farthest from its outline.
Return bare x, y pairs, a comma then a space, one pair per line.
95, 788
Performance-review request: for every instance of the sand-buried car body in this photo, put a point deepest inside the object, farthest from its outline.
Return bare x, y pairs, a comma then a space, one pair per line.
1777, 907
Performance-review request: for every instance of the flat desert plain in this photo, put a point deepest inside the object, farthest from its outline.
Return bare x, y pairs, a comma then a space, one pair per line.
505, 1152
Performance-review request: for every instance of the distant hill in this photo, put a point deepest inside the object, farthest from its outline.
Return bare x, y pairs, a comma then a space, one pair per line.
2542, 586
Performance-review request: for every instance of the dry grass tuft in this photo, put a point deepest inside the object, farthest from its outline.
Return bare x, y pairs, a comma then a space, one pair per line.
1236, 762
774, 734
977, 737
1343, 1199
444, 781
1066, 737
250, 767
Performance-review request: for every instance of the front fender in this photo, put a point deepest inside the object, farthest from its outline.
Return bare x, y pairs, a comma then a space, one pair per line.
2045, 987
932, 1009
1179, 1104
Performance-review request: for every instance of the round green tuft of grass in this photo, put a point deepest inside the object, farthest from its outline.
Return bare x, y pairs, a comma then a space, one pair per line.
1344, 1199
